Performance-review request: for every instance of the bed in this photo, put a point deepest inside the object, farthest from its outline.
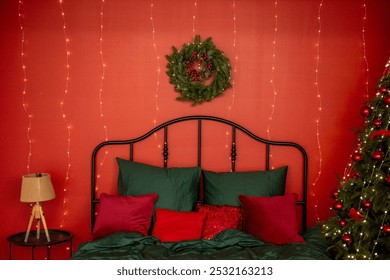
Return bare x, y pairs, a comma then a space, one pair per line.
193, 212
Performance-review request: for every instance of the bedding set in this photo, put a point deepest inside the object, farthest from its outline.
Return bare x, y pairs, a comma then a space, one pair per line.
157, 215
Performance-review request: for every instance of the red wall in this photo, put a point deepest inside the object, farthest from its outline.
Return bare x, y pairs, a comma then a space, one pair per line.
334, 45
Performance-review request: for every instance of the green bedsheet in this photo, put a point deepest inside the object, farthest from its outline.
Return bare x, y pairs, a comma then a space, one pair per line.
229, 244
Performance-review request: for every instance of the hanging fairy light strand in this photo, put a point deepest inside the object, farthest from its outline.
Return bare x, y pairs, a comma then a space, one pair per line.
64, 116
194, 18
158, 71
318, 96
273, 67
100, 95
366, 95
234, 67
24, 92
349, 167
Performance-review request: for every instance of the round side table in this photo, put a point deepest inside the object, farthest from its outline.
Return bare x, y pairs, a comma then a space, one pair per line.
56, 237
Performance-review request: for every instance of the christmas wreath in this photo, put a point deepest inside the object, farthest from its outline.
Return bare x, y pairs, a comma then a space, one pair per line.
199, 71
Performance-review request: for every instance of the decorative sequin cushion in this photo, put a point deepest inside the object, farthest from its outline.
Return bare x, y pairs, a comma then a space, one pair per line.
219, 218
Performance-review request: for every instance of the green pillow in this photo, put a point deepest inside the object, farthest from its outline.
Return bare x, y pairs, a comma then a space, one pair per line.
224, 188
177, 188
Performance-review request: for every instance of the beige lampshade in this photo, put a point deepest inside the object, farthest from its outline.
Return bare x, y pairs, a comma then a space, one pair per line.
36, 188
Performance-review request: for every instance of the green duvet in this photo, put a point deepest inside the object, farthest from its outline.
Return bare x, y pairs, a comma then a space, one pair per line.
229, 244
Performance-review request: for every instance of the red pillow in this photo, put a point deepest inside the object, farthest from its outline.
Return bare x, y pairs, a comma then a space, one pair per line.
123, 213
172, 226
219, 218
272, 219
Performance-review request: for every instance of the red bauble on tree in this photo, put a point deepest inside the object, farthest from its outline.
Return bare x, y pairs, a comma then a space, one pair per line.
388, 179
342, 223
386, 228
337, 205
383, 90
335, 193
365, 111
346, 238
378, 155
367, 204
354, 214
377, 123
386, 99
357, 156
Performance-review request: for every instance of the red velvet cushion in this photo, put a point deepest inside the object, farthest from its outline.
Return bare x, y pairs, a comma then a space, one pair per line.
272, 219
219, 218
123, 213
172, 226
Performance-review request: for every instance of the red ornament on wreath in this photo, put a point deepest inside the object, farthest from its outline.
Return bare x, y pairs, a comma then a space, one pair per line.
337, 205
366, 111
386, 228
377, 155
347, 239
388, 179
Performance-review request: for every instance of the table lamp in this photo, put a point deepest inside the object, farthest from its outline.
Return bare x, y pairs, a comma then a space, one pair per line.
37, 188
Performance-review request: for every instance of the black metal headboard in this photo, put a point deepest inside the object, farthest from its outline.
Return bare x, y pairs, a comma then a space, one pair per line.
199, 119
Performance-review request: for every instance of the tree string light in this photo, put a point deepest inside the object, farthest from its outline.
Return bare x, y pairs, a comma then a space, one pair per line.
24, 92
273, 67
318, 95
158, 71
64, 116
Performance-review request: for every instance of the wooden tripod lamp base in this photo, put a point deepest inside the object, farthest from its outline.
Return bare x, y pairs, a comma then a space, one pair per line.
37, 213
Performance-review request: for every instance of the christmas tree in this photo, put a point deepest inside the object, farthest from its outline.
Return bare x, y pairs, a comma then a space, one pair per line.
359, 227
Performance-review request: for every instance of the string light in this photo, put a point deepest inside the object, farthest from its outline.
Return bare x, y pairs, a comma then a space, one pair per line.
234, 68
158, 71
318, 95
63, 114
364, 49
102, 78
194, 18
24, 92
273, 67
